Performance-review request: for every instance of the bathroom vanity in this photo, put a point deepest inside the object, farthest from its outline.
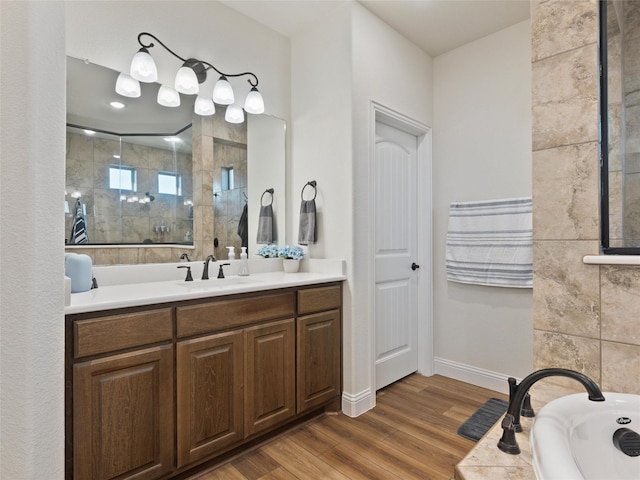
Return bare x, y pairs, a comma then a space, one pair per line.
156, 388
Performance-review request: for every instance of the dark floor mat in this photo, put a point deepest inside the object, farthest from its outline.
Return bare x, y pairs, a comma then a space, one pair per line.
485, 417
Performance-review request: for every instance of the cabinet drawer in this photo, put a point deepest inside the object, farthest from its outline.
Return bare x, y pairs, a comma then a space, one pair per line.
106, 334
209, 317
318, 299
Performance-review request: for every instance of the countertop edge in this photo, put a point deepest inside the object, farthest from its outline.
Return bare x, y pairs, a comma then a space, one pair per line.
154, 293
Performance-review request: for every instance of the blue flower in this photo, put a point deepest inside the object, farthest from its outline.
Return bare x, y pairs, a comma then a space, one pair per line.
268, 251
294, 252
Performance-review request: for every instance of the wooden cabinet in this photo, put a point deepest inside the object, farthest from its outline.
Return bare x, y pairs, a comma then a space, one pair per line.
123, 415
318, 359
270, 375
210, 397
318, 347
152, 393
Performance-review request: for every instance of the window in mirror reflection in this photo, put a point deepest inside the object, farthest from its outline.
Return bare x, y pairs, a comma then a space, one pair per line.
227, 181
122, 178
169, 183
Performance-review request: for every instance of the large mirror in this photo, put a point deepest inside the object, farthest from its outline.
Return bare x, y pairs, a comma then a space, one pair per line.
140, 173
620, 126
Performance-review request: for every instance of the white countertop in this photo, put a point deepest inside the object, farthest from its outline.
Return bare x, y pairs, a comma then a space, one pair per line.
109, 297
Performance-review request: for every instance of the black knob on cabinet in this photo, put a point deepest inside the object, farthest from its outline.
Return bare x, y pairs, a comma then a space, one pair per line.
414, 266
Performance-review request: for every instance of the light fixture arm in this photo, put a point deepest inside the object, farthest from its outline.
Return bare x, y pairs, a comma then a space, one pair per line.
192, 62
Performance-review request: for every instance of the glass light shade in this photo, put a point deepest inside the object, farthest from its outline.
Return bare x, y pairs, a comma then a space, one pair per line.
222, 92
143, 67
186, 81
204, 106
127, 86
168, 97
234, 114
254, 102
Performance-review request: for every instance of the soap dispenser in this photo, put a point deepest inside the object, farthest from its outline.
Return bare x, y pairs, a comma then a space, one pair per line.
232, 253
244, 262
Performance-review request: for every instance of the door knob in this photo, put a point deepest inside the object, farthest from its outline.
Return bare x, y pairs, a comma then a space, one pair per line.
414, 266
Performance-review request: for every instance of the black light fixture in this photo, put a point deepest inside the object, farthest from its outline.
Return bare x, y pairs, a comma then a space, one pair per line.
191, 74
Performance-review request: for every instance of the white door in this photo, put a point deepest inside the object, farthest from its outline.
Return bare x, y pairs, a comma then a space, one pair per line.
396, 271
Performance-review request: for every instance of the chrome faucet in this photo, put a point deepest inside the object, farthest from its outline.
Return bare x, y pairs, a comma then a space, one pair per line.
205, 271
511, 421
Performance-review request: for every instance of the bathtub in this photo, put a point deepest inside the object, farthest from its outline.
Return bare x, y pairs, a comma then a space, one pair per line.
572, 438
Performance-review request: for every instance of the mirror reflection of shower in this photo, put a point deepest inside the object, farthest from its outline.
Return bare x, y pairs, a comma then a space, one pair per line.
135, 189
623, 124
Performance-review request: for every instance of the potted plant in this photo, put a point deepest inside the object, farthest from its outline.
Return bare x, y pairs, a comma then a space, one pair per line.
291, 256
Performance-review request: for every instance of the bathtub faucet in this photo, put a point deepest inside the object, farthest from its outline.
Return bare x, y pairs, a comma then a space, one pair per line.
517, 392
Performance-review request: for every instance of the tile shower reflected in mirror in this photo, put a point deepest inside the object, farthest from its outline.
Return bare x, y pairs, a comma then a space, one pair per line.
620, 27
134, 189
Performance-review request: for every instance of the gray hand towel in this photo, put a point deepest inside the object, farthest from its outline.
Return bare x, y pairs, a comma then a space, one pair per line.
243, 227
307, 232
266, 230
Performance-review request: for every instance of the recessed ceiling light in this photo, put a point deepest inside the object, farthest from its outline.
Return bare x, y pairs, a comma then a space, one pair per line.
172, 139
116, 156
117, 105
90, 132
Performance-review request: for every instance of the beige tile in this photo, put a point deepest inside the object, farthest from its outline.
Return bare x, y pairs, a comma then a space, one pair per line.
566, 351
129, 256
620, 304
620, 367
566, 187
107, 256
158, 255
566, 292
559, 26
495, 473
565, 99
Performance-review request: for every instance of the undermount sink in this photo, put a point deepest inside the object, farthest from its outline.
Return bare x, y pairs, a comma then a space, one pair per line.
217, 282
572, 438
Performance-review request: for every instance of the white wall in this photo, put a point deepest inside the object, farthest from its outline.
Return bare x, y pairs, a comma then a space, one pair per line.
482, 150
32, 155
393, 72
338, 67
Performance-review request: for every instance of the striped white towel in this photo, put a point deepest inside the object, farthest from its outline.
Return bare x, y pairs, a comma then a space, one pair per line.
491, 243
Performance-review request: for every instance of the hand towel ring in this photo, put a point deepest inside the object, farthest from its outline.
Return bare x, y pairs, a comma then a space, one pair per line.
311, 184
270, 192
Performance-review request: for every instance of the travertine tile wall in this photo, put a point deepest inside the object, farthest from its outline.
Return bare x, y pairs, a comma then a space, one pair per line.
217, 143
586, 317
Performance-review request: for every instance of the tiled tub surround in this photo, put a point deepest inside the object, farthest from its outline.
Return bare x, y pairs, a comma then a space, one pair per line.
586, 317
135, 285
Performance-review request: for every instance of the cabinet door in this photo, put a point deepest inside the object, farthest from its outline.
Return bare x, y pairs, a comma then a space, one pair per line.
318, 359
123, 416
270, 375
210, 397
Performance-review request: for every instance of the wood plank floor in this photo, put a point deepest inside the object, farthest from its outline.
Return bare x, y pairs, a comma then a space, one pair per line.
410, 434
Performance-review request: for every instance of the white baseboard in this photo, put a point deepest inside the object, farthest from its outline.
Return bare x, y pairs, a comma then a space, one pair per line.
355, 405
473, 375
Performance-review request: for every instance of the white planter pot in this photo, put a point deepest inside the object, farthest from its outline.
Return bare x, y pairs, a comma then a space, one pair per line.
290, 266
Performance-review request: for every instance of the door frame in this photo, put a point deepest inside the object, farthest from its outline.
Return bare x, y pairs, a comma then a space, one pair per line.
379, 112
